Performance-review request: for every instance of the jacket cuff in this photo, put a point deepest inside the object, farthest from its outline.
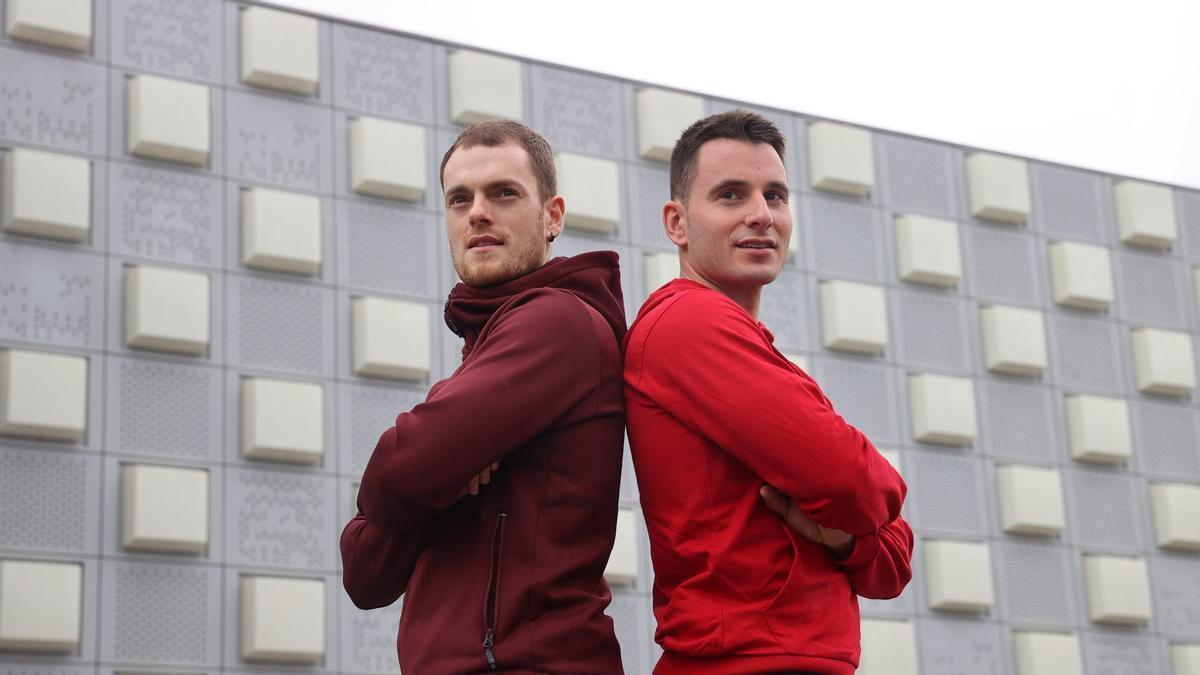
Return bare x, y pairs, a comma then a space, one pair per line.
866, 547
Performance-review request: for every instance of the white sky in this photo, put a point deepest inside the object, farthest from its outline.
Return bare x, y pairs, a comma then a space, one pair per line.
1111, 86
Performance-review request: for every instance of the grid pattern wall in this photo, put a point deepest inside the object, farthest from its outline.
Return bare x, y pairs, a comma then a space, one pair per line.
952, 303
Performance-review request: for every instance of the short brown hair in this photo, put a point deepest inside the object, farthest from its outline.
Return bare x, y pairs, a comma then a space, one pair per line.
493, 133
738, 125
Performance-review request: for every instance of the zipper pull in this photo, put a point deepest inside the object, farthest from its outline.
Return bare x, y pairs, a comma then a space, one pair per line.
488, 642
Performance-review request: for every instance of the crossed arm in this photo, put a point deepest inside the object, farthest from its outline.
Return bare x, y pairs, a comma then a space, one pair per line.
710, 367
510, 389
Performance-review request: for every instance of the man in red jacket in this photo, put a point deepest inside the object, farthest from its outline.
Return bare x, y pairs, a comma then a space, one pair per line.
767, 513
492, 505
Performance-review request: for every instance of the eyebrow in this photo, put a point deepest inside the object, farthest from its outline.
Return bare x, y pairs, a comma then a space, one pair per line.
738, 183
488, 187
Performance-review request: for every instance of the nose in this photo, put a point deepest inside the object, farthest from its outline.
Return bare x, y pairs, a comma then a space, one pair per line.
759, 214
479, 216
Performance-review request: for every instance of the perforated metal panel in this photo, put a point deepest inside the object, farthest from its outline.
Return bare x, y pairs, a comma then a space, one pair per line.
944, 491
281, 326
1069, 203
847, 238
383, 75
578, 112
1034, 580
931, 331
918, 176
48, 500
179, 38
280, 518
170, 216
162, 614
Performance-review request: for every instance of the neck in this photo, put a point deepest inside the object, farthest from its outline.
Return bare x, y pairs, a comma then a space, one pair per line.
747, 297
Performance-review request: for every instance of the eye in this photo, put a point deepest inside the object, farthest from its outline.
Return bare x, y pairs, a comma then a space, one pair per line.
729, 194
456, 199
508, 192
775, 195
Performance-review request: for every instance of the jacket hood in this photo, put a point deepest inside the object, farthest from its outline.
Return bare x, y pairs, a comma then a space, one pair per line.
593, 277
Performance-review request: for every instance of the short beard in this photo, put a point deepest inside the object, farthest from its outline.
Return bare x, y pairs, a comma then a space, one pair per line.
517, 265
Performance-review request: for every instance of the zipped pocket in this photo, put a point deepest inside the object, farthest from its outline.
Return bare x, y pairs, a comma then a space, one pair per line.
491, 601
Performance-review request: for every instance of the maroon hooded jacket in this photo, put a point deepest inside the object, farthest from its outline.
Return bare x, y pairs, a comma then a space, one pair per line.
510, 580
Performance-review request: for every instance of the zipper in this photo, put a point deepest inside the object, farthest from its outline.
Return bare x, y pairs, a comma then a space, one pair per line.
491, 601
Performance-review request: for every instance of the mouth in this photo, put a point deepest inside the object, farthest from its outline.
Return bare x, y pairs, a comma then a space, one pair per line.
757, 244
483, 240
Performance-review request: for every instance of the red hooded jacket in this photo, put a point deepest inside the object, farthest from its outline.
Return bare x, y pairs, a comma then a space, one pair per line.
714, 411
510, 580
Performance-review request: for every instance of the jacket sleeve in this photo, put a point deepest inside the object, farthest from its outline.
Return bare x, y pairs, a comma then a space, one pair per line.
881, 564
540, 359
377, 563
707, 364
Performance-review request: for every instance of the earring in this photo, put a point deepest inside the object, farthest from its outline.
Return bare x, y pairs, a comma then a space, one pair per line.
551, 237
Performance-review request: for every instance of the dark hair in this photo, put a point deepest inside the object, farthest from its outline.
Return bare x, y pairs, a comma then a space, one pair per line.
494, 133
738, 125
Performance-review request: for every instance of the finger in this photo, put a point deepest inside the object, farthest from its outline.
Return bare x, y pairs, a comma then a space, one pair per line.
774, 500
495, 465
473, 486
485, 476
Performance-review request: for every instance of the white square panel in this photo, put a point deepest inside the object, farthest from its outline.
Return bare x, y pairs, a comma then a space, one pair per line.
942, 409
1145, 214
1081, 275
40, 605
282, 420
1185, 659
166, 309
662, 117
387, 159
1031, 500
1118, 590
1164, 361
1047, 653
622, 568
592, 190
1098, 427
928, 251
280, 50
999, 187
484, 87
1014, 340
1176, 515
660, 269
167, 120
43, 395
47, 194
283, 619
958, 576
853, 317
840, 158
888, 648
391, 339
164, 509
63, 24
281, 231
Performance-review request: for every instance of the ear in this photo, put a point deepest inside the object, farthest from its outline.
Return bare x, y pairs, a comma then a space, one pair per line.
556, 209
675, 223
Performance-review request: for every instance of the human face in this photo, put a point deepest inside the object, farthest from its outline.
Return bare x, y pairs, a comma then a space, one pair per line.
734, 227
496, 221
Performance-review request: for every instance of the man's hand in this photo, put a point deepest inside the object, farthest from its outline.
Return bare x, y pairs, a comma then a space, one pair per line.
840, 544
483, 478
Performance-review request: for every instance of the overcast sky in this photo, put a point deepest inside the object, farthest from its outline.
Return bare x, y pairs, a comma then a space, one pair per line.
1112, 86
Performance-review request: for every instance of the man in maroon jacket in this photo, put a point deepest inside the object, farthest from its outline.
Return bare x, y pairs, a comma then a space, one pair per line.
492, 505
767, 513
